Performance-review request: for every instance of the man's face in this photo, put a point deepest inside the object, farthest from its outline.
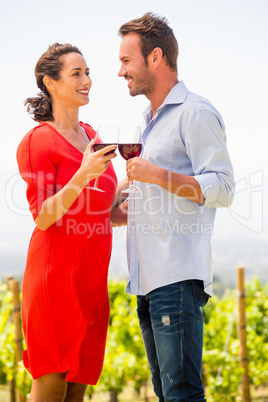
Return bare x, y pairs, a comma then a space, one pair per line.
140, 78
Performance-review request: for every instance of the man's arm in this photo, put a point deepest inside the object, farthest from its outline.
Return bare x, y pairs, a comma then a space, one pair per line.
184, 186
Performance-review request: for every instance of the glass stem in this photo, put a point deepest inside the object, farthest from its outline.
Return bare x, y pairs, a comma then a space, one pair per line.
96, 182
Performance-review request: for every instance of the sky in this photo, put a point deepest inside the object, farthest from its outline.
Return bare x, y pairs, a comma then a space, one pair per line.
222, 56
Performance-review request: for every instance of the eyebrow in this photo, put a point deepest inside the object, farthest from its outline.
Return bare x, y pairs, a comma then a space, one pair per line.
78, 68
123, 57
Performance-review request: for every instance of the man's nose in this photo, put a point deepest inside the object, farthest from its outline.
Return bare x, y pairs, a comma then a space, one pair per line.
122, 72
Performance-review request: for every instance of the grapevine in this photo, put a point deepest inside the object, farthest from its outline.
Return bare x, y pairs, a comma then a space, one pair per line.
125, 359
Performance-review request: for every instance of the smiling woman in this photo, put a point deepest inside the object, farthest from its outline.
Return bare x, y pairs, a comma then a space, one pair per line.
72, 88
65, 305
49, 66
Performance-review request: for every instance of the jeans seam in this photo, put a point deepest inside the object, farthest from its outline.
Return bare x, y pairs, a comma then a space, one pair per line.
197, 307
194, 296
182, 332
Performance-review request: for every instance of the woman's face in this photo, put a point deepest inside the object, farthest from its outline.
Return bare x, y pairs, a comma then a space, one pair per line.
72, 89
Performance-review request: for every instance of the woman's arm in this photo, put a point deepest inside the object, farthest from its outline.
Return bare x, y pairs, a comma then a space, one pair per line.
119, 215
92, 166
119, 206
119, 196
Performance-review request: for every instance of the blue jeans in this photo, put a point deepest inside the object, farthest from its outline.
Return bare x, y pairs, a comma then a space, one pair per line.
171, 323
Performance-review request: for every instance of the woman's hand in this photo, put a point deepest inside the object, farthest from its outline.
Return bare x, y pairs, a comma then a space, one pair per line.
95, 163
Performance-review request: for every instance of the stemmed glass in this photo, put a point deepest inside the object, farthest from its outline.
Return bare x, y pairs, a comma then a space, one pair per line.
105, 135
130, 146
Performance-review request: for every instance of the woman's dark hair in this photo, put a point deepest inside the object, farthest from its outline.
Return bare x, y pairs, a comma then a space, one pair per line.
48, 65
154, 32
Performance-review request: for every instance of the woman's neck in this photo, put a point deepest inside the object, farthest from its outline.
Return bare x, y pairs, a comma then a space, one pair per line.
65, 118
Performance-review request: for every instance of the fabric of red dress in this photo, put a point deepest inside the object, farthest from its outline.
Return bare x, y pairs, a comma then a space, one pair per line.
65, 304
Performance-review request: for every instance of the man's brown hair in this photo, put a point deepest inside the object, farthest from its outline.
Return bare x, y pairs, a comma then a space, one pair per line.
154, 32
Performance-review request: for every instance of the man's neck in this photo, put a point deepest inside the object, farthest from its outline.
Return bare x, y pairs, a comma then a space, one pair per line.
161, 92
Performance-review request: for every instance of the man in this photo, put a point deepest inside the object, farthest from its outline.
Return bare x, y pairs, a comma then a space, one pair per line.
184, 174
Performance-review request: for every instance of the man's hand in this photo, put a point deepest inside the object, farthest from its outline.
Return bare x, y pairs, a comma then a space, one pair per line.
182, 185
141, 170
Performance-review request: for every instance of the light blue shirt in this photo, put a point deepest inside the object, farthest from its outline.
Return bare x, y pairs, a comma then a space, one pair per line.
168, 237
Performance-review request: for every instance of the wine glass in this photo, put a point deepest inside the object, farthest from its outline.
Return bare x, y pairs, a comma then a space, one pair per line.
105, 135
130, 146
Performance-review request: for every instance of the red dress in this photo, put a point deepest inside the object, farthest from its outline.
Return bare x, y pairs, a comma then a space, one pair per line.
65, 304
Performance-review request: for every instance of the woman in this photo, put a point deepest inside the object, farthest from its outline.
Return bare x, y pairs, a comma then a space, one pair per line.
65, 305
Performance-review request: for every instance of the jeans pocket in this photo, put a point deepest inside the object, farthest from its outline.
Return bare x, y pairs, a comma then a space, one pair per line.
200, 297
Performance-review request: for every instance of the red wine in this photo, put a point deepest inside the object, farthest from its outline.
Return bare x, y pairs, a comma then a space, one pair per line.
99, 146
129, 150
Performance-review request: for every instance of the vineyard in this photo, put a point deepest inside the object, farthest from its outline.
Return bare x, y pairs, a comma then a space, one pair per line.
126, 366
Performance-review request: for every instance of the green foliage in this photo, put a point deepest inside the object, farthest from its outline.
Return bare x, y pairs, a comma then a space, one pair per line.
8, 367
221, 361
7, 351
125, 359
23, 379
257, 331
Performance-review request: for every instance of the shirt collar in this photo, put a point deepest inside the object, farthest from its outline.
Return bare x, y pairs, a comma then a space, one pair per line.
177, 95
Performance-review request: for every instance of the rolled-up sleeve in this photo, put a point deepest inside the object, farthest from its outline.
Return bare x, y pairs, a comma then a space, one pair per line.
206, 146
218, 190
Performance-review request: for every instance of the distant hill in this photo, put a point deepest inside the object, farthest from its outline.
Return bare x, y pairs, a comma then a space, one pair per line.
228, 254
240, 236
